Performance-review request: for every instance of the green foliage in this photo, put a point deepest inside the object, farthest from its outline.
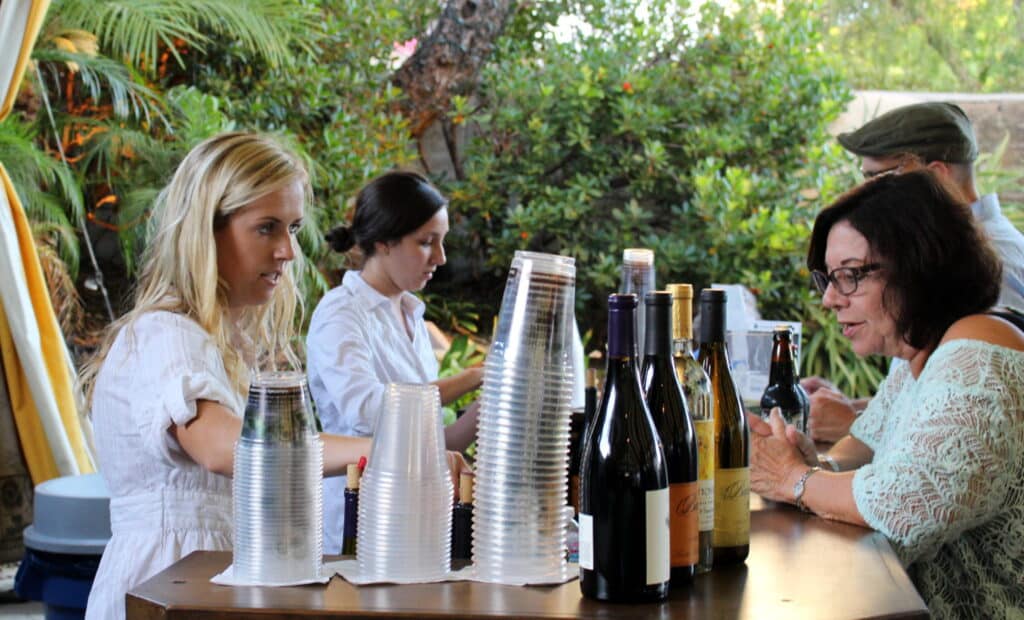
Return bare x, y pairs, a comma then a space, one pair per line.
928, 45
48, 190
452, 315
122, 134
138, 31
462, 354
994, 176
340, 107
597, 125
705, 144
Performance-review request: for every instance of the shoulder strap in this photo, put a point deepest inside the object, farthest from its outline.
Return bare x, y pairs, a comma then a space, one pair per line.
1010, 314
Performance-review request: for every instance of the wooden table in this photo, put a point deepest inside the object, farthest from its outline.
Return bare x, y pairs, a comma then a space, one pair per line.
800, 566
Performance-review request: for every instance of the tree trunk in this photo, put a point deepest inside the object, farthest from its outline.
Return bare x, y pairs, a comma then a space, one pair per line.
448, 59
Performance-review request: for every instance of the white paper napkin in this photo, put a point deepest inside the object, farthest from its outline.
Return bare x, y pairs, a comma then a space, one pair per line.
227, 578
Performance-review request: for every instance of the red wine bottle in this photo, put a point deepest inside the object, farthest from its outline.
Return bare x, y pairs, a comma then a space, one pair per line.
577, 434
672, 419
624, 496
731, 537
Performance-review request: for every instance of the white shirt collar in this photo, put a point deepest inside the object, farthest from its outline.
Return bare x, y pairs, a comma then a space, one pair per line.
361, 289
986, 208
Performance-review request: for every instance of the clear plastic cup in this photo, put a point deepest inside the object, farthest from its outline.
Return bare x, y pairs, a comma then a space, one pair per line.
406, 492
278, 510
523, 432
409, 439
278, 408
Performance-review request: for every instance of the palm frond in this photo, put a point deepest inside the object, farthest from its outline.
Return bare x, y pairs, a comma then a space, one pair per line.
32, 169
59, 234
67, 304
116, 149
129, 97
138, 30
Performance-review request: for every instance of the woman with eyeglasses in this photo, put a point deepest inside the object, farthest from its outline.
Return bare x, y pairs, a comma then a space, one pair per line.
936, 461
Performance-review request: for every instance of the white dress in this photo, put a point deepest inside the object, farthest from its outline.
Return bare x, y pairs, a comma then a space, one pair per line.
355, 347
163, 505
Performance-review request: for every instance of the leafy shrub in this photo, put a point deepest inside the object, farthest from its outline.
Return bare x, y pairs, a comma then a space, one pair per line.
705, 143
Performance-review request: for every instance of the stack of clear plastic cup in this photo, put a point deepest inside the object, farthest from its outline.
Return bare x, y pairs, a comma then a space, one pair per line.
519, 524
278, 497
638, 278
405, 494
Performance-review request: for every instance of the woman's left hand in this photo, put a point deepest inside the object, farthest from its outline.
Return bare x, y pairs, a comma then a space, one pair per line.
775, 463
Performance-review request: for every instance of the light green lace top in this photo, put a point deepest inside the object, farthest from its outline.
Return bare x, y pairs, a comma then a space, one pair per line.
946, 484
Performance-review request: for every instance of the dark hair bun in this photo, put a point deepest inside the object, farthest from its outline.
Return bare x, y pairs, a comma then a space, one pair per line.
341, 239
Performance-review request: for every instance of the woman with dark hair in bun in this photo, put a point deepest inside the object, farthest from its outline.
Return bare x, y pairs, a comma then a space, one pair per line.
369, 331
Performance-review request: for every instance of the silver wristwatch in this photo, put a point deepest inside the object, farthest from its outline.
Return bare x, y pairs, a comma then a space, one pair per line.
798, 488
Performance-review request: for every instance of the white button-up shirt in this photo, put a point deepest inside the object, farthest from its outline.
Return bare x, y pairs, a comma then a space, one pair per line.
356, 345
1009, 245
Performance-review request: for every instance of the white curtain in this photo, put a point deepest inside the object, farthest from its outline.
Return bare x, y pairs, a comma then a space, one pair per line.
37, 367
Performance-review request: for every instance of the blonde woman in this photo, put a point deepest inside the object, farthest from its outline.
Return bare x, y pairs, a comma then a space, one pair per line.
167, 388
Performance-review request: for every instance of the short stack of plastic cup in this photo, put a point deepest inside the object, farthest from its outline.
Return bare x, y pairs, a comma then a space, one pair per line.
638, 278
278, 496
405, 494
519, 524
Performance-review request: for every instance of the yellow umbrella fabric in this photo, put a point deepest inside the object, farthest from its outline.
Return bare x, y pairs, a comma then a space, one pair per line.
36, 363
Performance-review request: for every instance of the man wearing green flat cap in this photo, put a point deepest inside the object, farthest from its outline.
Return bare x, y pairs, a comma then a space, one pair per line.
938, 136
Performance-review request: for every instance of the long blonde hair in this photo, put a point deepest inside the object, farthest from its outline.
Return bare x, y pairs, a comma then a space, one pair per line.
179, 271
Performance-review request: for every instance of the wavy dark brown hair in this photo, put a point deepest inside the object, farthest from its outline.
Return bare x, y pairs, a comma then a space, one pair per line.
939, 266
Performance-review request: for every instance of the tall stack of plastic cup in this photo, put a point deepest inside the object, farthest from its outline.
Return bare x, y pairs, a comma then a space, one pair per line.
519, 514
638, 278
278, 497
405, 495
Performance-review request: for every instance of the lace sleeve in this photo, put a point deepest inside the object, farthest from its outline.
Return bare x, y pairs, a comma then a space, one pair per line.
947, 461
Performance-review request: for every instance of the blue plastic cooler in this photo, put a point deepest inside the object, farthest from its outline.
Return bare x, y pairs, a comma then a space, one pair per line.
63, 545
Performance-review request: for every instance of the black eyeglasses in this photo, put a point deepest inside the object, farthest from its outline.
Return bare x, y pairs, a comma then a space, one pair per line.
845, 279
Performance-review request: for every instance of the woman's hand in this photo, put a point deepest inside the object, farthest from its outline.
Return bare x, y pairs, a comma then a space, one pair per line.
776, 463
457, 465
813, 384
797, 439
831, 415
452, 388
462, 432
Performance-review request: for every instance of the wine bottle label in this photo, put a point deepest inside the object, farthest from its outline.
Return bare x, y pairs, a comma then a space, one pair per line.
683, 524
732, 507
586, 541
705, 449
706, 518
658, 561
706, 472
